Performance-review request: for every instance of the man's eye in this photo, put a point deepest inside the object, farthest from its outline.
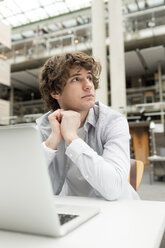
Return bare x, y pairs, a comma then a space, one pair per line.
90, 78
75, 79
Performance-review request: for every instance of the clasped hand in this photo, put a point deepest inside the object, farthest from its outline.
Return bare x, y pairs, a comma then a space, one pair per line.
64, 123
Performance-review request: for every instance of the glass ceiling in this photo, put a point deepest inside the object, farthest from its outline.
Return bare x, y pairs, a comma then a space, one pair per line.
19, 12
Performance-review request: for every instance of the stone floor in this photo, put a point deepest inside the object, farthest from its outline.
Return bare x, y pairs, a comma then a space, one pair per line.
154, 192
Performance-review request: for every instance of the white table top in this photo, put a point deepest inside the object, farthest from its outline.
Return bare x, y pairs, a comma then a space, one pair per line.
120, 224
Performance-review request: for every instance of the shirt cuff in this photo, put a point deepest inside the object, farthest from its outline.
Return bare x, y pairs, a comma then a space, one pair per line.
76, 148
50, 153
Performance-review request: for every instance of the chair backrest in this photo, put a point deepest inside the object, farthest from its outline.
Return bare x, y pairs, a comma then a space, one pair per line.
136, 173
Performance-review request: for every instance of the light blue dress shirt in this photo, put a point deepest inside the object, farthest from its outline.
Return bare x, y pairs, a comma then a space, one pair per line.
95, 165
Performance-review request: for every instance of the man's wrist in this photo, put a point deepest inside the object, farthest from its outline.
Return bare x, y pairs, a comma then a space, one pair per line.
51, 143
69, 139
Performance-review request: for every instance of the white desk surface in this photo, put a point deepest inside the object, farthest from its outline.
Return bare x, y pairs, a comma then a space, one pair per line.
120, 224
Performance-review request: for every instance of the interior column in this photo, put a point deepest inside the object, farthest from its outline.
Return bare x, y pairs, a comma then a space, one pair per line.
99, 47
117, 59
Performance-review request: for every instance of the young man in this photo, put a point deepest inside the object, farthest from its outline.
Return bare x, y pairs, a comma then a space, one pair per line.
86, 142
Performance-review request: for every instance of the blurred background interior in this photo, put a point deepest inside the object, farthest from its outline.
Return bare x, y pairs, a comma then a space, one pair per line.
32, 31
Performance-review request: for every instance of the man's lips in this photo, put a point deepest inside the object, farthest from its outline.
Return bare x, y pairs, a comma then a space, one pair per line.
88, 95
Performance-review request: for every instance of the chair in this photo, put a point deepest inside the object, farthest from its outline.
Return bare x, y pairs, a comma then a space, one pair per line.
136, 173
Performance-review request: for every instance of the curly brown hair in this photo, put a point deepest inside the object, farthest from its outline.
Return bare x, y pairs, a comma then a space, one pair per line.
55, 73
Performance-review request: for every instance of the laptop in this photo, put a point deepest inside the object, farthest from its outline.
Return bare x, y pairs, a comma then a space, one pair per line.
27, 203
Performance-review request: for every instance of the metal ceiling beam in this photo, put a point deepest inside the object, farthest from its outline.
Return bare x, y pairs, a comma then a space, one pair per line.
23, 84
126, 5
56, 19
75, 14
146, 11
31, 74
146, 4
137, 3
142, 60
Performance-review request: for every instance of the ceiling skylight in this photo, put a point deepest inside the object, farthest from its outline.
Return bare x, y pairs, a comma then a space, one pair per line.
141, 5
133, 7
19, 12
153, 3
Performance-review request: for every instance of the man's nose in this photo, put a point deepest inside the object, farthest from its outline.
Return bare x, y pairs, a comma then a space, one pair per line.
87, 84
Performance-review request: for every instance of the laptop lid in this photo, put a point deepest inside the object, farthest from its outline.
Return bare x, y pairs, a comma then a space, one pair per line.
26, 197
25, 190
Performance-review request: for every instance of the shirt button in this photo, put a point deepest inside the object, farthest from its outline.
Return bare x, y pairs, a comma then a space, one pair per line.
70, 155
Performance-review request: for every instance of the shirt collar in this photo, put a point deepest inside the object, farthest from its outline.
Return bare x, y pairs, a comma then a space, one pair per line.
90, 120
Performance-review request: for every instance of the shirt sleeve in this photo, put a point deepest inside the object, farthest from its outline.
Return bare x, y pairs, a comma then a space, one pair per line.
107, 173
49, 153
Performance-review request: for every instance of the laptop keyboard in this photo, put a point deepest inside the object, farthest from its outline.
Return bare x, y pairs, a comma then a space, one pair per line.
63, 218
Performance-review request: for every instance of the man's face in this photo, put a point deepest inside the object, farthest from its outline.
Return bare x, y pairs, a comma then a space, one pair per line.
78, 93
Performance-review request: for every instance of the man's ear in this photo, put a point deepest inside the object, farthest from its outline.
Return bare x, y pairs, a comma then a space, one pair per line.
55, 95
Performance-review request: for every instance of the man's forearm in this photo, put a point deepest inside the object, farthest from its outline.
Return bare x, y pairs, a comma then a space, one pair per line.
107, 177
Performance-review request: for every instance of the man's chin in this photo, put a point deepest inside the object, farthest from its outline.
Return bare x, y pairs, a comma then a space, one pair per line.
83, 107
89, 104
